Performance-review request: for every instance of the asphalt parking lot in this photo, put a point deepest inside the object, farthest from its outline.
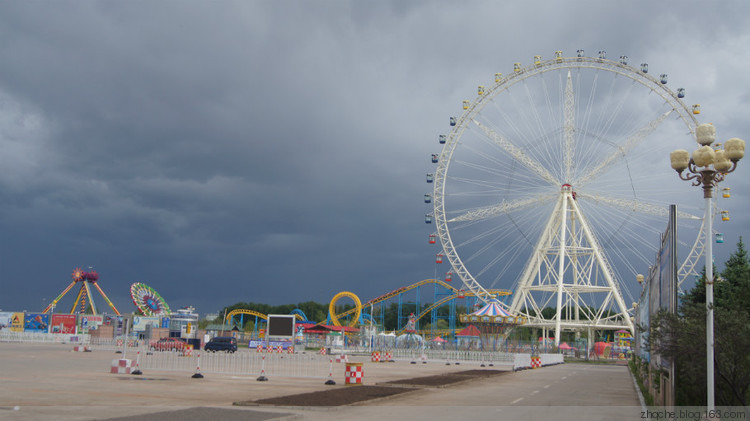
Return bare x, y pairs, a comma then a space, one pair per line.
51, 382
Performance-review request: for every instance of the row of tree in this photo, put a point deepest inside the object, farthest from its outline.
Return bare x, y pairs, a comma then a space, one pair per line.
682, 336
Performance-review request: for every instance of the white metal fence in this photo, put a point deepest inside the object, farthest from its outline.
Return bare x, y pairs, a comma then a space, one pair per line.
310, 364
240, 363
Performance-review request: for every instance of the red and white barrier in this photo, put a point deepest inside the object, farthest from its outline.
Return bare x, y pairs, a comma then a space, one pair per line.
354, 374
536, 362
122, 366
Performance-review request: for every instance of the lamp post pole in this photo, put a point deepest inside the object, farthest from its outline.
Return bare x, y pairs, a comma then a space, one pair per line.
700, 170
708, 218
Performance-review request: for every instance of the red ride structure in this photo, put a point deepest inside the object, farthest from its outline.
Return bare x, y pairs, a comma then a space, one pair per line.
84, 300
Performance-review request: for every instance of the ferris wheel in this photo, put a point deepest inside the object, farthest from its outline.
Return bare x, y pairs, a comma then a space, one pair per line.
555, 182
148, 301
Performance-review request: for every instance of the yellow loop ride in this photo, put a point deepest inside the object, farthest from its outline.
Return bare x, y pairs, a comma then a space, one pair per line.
357, 307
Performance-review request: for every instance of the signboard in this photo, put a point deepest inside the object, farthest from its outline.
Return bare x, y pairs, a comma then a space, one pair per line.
116, 322
254, 343
36, 322
281, 326
140, 322
5, 318
63, 323
89, 322
16, 322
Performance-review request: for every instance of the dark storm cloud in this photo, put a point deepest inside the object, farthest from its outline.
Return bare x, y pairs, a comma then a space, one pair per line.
266, 151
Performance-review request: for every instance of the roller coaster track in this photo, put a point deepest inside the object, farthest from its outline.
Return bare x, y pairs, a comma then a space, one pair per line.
255, 313
401, 290
456, 294
444, 300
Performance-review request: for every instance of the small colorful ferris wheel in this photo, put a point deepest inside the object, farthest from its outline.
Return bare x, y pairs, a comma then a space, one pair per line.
148, 301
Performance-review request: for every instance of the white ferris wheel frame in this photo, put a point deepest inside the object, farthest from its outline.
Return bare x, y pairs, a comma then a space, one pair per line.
687, 267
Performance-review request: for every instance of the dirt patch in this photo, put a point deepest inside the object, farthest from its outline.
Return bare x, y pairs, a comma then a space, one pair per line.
447, 379
334, 397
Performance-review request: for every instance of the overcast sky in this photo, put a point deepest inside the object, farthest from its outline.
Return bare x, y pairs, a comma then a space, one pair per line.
276, 151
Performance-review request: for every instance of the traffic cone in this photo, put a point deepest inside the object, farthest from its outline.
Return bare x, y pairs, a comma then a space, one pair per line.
198, 374
263, 377
330, 380
137, 370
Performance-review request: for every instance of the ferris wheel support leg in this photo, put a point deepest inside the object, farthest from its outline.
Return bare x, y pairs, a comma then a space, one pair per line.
561, 268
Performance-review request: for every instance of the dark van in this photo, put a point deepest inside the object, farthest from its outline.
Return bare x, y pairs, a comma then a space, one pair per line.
222, 343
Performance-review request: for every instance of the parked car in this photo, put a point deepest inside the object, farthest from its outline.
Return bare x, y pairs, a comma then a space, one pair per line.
222, 343
168, 344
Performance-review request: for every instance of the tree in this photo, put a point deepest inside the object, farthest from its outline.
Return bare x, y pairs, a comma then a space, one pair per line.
682, 337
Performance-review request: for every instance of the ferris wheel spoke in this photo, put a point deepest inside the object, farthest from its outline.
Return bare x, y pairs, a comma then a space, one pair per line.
500, 208
569, 127
636, 205
623, 150
518, 154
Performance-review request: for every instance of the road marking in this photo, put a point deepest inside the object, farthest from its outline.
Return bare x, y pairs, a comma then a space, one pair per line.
546, 386
564, 378
516, 401
535, 392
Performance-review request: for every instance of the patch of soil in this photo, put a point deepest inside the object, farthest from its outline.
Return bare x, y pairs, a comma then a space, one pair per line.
447, 379
333, 397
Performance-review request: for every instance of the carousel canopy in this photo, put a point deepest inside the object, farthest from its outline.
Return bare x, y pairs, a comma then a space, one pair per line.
469, 330
493, 308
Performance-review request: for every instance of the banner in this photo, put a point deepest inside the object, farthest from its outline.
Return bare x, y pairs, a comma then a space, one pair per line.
36, 322
90, 322
140, 322
63, 323
5, 318
254, 343
16, 322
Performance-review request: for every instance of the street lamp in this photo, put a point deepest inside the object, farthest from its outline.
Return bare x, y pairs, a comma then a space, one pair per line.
708, 168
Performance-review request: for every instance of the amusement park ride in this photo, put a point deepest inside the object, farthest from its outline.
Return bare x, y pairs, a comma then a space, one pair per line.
542, 184
545, 185
146, 299
84, 297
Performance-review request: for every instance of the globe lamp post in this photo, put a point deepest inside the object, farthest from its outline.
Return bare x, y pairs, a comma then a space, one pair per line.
707, 168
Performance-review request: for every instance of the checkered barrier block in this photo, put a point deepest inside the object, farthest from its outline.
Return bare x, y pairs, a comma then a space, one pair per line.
388, 356
375, 357
536, 362
269, 349
290, 350
81, 348
322, 351
354, 374
342, 359
279, 349
259, 348
121, 366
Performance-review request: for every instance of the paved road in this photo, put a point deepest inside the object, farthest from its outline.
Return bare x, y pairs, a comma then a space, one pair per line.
49, 382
